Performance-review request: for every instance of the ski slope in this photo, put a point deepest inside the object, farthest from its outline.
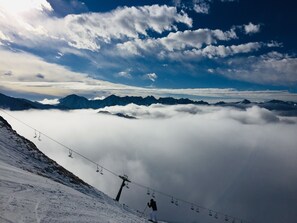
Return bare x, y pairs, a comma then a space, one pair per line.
34, 188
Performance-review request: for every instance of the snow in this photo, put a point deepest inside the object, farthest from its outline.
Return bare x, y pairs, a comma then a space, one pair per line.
34, 188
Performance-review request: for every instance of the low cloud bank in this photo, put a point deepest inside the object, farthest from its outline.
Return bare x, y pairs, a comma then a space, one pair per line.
239, 162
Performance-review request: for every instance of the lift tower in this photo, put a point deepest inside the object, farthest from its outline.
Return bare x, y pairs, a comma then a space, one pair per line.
125, 179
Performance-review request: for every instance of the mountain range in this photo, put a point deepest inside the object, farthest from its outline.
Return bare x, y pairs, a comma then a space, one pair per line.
287, 108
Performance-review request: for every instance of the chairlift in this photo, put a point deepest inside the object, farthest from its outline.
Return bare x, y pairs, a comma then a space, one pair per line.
172, 201
70, 153
97, 168
197, 210
176, 203
210, 213
35, 134
148, 192
127, 185
226, 218
153, 194
101, 171
192, 207
216, 216
39, 136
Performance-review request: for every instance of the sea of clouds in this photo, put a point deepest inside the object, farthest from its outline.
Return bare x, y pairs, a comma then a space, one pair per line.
239, 162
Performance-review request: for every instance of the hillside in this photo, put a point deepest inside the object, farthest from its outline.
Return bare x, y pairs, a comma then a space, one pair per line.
34, 188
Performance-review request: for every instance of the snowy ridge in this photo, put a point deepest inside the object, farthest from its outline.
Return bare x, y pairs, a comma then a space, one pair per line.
34, 188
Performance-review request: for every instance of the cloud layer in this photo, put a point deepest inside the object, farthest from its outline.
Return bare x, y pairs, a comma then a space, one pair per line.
239, 162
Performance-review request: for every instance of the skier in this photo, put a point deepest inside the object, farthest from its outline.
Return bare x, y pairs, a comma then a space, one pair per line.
153, 215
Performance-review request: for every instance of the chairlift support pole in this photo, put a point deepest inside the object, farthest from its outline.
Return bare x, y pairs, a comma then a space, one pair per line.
125, 179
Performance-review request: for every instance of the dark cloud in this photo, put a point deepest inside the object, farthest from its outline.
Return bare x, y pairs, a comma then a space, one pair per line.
41, 76
239, 162
8, 73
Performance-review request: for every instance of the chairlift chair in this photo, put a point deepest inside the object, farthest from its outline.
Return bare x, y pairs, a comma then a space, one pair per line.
176, 203
216, 216
226, 218
172, 201
70, 154
210, 213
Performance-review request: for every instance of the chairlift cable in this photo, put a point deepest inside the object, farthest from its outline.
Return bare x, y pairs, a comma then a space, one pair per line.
198, 207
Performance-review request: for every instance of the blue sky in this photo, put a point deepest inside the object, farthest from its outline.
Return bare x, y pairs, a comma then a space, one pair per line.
93, 48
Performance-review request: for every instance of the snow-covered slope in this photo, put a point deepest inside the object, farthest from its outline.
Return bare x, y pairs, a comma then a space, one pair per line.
34, 188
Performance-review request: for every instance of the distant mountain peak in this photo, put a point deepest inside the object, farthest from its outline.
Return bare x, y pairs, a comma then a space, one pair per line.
245, 101
74, 101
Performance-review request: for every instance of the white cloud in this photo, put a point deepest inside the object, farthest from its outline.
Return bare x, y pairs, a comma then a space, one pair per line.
89, 30
27, 67
222, 51
124, 74
201, 6
3, 37
31, 74
274, 44
220, 158
22, 7
49, 101
251, 28
272, 68
18, 74
151, 76
176, 41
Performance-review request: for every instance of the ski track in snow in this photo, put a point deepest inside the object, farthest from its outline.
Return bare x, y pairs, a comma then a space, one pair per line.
34, 189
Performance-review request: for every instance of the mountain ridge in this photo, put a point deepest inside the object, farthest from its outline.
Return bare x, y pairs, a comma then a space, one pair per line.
73, 101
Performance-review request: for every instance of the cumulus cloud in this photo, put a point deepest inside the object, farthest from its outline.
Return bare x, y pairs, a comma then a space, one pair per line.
150, 76
272, 68
274, 44
221, 50
239, 162
251, 28
201, 6
177, 41
89, 30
